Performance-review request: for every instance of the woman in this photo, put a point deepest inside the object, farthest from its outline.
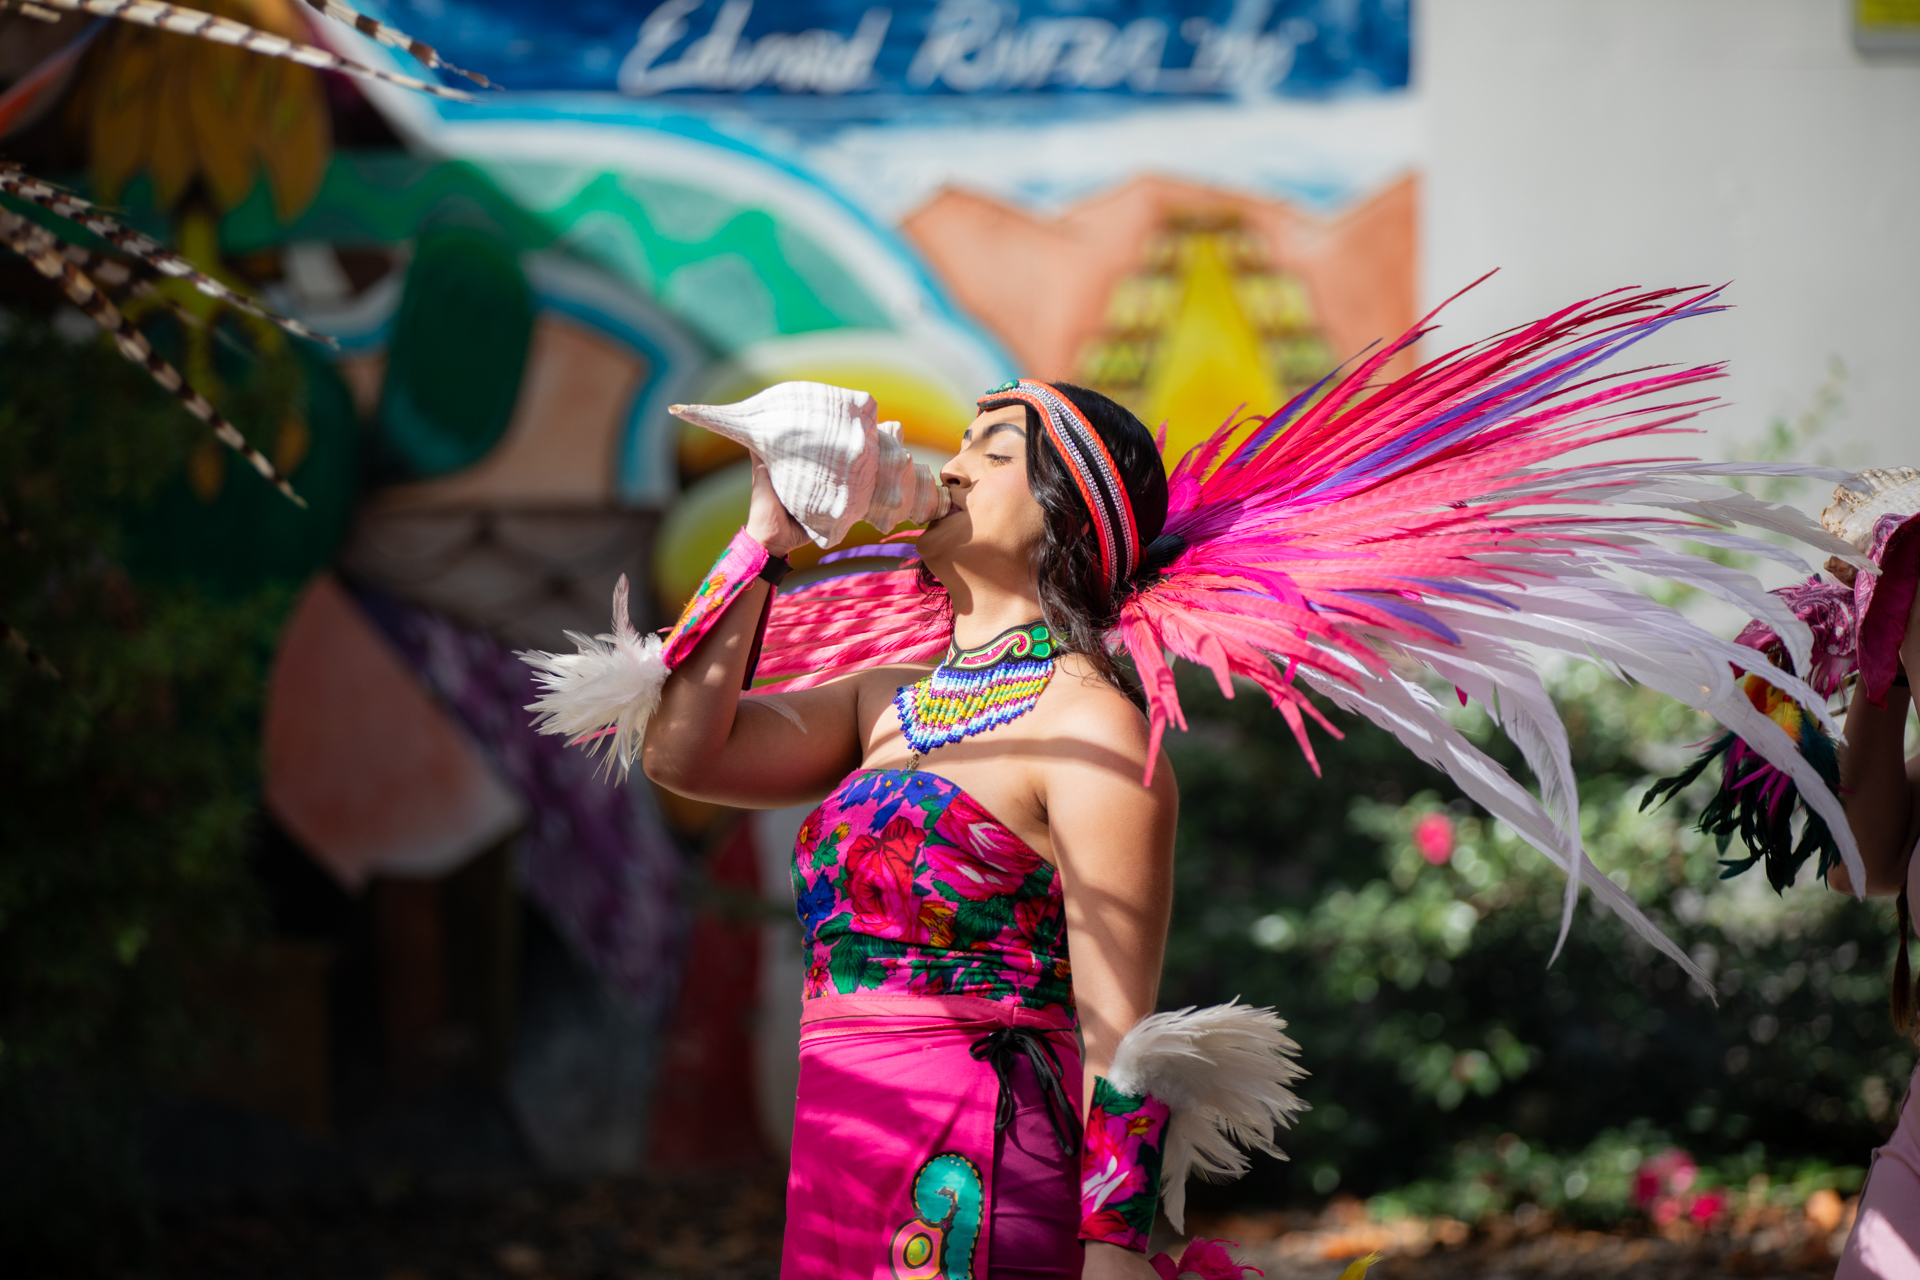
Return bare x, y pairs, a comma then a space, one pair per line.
1882, 789
990, 869
1054, 815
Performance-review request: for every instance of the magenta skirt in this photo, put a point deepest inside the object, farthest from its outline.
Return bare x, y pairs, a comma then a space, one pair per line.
897, 1171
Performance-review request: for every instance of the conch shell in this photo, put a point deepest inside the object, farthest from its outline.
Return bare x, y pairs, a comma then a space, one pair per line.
1853, 513
832, 463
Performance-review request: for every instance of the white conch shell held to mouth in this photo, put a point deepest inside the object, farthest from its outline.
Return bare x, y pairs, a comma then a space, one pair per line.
832, 463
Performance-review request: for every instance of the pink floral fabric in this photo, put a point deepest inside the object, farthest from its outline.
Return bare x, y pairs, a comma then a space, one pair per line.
905, 885
1120, 1166
1881, 602
731, 574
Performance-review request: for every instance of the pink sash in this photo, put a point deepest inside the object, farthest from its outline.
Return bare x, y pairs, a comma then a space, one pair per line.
893, 1139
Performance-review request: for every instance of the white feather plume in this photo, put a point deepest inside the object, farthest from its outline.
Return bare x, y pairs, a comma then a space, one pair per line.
1223, 1073
605, 693
1408, 712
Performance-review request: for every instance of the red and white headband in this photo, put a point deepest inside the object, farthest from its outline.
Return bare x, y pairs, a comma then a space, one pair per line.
1086, 456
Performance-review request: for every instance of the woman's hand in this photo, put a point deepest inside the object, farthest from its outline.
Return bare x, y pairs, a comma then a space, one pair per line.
768, 522
1111, 1262
706, 743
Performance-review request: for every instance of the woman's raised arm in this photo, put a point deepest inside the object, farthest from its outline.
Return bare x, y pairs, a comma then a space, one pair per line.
707, 742
1113, 841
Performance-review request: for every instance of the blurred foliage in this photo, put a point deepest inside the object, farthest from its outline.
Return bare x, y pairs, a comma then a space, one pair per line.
127, 780
1407, 937
1414, 969
1606, 1182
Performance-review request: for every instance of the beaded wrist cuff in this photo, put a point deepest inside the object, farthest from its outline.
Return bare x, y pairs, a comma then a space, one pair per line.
738, 568
1120, 1166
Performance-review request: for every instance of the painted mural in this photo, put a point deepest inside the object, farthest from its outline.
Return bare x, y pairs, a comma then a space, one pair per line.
1200, 207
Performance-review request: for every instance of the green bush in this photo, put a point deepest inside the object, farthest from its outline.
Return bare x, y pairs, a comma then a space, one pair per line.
1422, 995
127, 784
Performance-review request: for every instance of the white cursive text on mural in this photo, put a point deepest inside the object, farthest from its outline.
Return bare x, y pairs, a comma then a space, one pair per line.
723, 59
971, 46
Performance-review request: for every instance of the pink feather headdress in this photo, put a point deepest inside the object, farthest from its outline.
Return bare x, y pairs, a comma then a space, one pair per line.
1372, 536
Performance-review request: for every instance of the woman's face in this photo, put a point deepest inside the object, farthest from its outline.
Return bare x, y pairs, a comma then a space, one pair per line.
994, 524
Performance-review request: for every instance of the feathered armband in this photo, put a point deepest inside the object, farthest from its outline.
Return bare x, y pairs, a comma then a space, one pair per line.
1188, 1092
606, 692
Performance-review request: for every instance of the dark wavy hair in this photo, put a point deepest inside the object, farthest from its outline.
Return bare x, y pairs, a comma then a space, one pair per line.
1073, 597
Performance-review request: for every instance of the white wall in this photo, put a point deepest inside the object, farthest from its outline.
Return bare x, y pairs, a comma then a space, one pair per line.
1584, 144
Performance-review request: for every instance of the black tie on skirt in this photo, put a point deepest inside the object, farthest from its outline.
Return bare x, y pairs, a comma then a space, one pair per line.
1000, 1049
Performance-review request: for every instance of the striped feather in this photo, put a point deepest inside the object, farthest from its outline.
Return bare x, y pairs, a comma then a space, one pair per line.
394, 38
206, 26
21, 185
42, 250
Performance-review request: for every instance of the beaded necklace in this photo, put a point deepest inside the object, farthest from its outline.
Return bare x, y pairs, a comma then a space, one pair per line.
973, 690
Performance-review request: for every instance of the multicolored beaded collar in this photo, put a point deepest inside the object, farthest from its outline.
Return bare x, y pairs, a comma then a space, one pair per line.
973, 690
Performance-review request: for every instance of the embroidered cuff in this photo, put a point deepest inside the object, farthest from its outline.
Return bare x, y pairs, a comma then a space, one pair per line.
738, 567
1120, 1166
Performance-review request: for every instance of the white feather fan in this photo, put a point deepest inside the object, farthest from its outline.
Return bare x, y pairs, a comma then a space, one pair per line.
1223, 1072
605, 693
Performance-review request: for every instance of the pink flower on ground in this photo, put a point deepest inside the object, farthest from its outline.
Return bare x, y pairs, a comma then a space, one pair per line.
1433, 837
1707, 1207
1660, 1183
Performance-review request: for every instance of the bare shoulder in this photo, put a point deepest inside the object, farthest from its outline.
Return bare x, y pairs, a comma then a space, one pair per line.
1088, 710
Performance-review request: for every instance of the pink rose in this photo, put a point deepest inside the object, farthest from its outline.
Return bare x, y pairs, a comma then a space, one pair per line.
1034, 916
1105, 1224
967, 874
1433, 837
1109, 1165
880, 880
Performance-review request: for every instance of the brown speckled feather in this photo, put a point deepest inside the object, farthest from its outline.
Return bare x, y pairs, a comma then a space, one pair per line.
394, 38
43, 250
24, 186
206, 26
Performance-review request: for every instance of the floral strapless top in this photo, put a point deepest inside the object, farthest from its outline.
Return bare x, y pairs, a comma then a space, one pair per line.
907, 886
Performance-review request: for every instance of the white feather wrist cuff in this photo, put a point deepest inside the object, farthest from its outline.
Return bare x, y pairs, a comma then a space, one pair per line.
1223, 1073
